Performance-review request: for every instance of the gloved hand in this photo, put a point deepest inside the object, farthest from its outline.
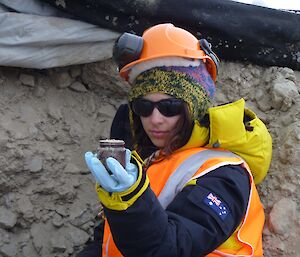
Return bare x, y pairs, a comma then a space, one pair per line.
120, 180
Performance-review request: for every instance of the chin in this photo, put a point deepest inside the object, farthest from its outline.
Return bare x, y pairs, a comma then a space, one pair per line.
158, 143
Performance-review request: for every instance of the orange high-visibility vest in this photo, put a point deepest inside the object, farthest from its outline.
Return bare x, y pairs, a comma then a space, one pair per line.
169, 176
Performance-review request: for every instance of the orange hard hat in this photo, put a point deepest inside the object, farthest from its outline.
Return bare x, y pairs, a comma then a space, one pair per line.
163, 40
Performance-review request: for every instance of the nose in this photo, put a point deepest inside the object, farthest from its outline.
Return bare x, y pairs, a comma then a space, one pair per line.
156, 117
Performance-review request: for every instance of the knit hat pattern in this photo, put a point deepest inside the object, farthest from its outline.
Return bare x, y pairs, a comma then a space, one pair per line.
193, 85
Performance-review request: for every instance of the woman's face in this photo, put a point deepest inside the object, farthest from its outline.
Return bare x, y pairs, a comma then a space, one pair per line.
157, 126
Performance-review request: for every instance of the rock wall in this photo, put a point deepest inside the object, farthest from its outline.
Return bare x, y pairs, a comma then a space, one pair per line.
49, 118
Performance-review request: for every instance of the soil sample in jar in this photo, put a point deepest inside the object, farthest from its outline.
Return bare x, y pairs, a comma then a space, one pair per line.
111, 148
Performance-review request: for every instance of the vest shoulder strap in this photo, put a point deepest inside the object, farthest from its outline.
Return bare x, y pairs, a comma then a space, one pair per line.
187, 169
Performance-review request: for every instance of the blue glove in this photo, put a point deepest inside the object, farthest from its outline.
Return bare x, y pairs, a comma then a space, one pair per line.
120, 180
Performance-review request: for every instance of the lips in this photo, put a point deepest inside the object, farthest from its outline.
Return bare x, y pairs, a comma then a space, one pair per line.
158, 134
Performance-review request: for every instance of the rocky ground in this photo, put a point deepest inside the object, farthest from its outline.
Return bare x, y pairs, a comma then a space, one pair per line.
49, 118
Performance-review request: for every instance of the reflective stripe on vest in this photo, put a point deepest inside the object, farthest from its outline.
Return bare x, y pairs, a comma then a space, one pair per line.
185, 172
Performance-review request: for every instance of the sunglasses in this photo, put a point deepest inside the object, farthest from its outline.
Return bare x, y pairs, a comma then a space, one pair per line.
167, 107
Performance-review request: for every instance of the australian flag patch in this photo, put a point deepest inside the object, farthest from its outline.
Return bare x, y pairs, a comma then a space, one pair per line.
216, 205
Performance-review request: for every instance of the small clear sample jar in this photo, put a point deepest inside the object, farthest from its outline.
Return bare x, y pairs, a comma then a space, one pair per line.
111, 148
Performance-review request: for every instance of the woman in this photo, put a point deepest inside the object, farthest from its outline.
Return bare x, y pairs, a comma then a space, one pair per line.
184, 199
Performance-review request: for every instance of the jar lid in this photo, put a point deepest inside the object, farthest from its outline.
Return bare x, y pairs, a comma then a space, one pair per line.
111, 142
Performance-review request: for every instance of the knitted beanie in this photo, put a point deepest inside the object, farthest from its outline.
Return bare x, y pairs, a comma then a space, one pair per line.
192, 84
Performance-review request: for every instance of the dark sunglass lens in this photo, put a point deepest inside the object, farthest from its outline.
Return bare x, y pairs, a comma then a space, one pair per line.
142, 107
170, 107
